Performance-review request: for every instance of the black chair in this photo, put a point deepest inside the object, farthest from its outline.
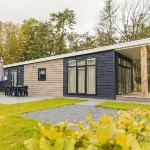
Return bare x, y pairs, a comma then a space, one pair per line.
18, 91
24, 91
7, 91
13, 91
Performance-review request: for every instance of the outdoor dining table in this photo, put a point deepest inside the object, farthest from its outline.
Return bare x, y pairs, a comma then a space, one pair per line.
16, 91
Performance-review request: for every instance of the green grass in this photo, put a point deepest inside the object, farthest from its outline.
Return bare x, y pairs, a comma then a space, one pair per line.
122, 105
14, 109
14, 129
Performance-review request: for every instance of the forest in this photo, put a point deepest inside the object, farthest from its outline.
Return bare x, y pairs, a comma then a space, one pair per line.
34, 39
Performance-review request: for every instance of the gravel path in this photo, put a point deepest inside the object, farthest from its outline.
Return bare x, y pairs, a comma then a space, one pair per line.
71, 113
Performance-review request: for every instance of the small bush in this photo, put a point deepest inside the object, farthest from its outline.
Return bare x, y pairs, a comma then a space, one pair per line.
128, 130
138, 88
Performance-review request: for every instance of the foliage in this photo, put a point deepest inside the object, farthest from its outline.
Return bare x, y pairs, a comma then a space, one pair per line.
123, 105
106, 29
129, 131
36, 39
138, 87
127, 21
134, 20
14, 130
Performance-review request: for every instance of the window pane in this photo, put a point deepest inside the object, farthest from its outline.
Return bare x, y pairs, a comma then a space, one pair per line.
81, 62
72, 80
5, 75
81, 80
14, 78
91, 61
91, 80
42, 74
72, 63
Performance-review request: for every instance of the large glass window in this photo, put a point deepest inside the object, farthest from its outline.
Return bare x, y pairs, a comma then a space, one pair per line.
82, 76
124, 76
5, 75
14, 78
91, 76
81, 80
72, 76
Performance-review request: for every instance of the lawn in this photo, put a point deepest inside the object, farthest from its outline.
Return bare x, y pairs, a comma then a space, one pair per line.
14, 129
14, 109
122, 105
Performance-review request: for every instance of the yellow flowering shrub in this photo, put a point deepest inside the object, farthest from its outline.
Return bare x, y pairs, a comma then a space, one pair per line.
128, 130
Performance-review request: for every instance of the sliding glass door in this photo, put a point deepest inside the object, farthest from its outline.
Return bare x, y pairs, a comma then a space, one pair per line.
124, 77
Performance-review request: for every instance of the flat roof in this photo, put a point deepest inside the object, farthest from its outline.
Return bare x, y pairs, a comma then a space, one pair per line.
117, 47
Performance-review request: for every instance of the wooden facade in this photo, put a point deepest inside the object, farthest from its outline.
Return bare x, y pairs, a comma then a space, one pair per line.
52, 86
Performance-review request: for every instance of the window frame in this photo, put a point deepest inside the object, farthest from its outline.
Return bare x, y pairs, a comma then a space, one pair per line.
40, 69
71, 66
88, 65
80, 66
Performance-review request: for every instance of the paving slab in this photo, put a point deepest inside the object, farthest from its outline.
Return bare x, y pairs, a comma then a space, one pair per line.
14, 100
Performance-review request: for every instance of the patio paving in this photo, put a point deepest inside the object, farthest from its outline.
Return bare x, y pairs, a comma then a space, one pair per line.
14, 100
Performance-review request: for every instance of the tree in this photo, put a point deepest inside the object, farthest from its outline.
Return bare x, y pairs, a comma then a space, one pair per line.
10, 42
106, 28
134, 23
33, 38
77, 42
63, 23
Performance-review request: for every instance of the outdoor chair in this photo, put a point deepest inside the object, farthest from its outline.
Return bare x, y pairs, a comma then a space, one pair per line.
24, 91
13, 91
7, 91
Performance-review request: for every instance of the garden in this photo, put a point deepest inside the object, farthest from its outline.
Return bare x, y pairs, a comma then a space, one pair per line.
128, 129
15, 129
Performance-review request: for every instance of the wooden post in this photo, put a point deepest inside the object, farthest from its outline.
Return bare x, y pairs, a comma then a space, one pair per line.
144, 72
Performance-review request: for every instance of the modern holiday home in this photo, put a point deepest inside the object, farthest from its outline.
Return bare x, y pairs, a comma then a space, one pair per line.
103, 72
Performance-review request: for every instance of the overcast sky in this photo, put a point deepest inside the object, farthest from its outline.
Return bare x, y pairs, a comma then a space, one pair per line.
87, 11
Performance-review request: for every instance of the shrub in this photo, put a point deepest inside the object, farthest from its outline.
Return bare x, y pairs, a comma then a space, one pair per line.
138, 88
128, 130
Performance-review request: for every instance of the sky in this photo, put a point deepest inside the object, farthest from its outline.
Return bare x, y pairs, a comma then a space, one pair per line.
86, 11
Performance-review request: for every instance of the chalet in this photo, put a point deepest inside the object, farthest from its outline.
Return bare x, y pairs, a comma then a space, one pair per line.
103, 72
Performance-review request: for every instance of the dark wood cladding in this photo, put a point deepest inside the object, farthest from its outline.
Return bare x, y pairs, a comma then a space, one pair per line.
105, 75
3, 84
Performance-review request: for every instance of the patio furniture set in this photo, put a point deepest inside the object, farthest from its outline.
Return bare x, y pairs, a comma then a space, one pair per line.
16, 91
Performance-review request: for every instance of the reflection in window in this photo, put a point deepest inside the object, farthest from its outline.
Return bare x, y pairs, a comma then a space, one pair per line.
91, 76
81, 62
72, 63
84, 74
72, 80
5, 75
81, 80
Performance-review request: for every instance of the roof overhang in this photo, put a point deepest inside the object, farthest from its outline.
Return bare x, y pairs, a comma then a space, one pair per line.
134, 52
